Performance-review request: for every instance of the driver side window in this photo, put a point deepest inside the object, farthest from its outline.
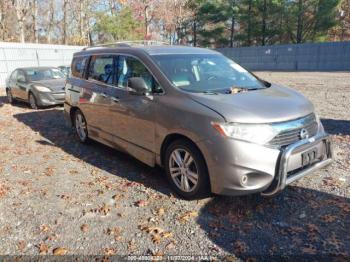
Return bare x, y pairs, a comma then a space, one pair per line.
14, 76
128, 67
20, 76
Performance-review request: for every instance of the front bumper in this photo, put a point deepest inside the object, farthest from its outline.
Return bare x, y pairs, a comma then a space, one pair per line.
49, 99
268, 170
284, 178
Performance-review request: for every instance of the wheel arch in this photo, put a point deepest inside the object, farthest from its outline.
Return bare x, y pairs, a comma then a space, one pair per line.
170, 138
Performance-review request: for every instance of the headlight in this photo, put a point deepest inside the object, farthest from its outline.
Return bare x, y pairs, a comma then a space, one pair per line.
42, 88
254, 133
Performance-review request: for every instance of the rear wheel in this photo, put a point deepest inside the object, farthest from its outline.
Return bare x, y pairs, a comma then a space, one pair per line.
80, 127
9, 96
186, 170
32, 101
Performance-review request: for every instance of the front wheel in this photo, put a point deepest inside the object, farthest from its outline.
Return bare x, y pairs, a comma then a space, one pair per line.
9, 96
32, 101
80, 127
186, 170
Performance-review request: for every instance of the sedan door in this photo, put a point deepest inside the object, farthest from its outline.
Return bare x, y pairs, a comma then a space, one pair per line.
21, 85
12, 84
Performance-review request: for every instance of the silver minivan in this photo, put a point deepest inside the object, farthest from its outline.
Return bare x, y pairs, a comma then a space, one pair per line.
212, 125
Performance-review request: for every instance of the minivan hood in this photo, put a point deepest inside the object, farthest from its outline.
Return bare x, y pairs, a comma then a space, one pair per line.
273, 104
56, 85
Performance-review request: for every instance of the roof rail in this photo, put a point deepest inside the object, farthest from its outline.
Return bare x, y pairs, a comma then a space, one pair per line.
129, 44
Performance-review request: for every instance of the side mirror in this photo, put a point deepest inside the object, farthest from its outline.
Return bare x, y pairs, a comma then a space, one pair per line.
138, 85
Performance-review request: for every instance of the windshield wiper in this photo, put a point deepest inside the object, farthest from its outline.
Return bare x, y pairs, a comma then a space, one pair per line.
208, 92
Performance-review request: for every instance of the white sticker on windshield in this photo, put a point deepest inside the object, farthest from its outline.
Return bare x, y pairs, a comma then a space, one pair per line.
238, 68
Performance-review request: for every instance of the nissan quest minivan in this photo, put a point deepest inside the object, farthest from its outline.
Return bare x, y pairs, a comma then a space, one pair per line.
212, 125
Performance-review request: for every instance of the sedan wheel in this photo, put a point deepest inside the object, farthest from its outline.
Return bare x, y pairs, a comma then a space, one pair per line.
81, 127
186, 170
9, 96
32, 101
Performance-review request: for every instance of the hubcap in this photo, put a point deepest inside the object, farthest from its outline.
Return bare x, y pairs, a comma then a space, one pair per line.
183, 170
80, 126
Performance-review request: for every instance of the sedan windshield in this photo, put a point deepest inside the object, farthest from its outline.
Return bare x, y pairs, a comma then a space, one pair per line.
43, 74
205, 72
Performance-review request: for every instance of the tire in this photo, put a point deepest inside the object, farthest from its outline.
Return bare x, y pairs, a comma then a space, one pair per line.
9, 96
186, 170
80, 127
32, 101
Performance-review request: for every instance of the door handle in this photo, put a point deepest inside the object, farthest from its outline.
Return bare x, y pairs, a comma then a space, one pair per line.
115, 99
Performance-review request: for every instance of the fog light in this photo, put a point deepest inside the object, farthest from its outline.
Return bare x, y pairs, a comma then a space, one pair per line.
244, 180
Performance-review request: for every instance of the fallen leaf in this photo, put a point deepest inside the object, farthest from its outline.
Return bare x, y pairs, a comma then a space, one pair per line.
240, 247
187, 216
44, 228
21, 245
160, 211
43, 249
60, 251
109, 251
84, 228
328, 218
4, 189
132, 245
105, 209
141, 203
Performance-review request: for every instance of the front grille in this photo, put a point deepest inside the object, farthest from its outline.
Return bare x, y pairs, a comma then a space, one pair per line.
292, 134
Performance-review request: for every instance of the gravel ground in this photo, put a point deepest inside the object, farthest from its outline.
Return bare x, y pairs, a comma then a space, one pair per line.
60, 197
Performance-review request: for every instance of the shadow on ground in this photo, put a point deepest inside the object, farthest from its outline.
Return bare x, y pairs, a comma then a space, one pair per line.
51, 125
336, 127
298, 224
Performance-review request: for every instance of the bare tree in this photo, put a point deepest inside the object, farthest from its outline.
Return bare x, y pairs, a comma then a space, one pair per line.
65, 22
34, 21
50, 20
22, 8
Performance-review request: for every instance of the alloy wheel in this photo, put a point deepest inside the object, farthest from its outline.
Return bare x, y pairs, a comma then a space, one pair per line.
183, 170
80, 126
32, 102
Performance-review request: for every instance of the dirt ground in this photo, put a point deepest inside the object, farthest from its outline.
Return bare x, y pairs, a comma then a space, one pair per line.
61, 197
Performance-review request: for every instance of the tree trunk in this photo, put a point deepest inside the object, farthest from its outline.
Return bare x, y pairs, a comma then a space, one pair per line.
263, 29
64, 26
232, 30
146, 14
35, 22
51, 16
195, 33
249, 31
21, 30
300, 22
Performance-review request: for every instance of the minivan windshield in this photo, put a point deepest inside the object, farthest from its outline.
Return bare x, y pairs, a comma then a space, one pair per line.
205, 72
38, 74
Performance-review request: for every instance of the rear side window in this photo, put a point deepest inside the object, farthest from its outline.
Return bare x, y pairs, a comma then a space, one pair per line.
101, 69
78, 66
